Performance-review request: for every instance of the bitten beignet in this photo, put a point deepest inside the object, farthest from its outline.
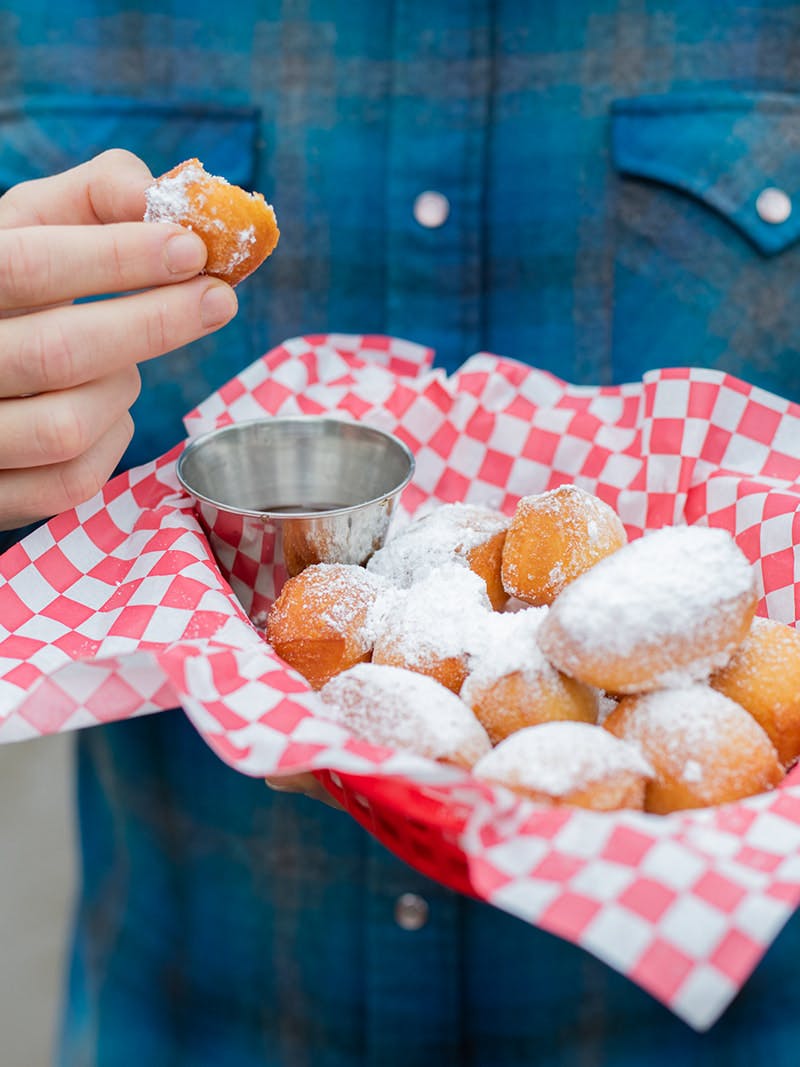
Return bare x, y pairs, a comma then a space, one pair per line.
239, 228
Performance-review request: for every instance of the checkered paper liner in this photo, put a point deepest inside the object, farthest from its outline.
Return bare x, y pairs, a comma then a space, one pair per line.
117, 609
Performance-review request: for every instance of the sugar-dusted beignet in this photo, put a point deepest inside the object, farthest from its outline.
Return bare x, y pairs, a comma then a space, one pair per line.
238, 228
402, 709
511, 685
318, 623
664, 610
568, 763
764, 677
555, 536
468, 534
433, 626
704, 748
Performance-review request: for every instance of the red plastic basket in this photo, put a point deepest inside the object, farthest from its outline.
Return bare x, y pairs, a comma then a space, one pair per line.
415, 823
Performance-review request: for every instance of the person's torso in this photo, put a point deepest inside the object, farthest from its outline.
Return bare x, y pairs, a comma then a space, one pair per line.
599, 169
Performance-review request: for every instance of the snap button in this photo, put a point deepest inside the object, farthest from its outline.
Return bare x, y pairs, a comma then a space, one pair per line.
410, 911
773, 206
431, 209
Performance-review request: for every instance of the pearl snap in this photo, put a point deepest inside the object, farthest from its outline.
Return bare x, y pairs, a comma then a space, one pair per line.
410, 911
773, 206
431, 209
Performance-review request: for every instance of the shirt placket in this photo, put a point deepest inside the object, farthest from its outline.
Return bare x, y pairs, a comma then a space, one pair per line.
436, 161
413, 966
436, 156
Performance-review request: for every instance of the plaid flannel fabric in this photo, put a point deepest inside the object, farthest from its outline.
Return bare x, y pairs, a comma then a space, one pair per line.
602, 164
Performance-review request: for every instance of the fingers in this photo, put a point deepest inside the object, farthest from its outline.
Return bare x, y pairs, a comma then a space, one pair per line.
67, 372
108, 188
58, 450
306, 784
41, 266
35, 493
53, 428
61, 347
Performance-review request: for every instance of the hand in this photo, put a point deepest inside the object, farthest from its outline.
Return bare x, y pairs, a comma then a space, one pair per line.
306, 784
68, 372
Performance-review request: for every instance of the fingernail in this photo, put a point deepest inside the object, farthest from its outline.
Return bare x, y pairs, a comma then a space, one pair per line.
217, 306
184, 253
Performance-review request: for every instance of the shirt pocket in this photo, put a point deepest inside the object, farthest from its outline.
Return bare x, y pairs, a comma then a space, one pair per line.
45, 135
722, 148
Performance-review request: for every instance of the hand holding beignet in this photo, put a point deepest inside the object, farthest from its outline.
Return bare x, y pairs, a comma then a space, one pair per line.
68, 373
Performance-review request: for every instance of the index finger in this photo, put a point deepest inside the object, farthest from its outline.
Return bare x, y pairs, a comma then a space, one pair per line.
61, 347
108, 188
46, 265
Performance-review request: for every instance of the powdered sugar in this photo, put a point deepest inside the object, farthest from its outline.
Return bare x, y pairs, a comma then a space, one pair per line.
769, 656
445, 536
557, 758
335, 596
167, 199
692, 771
605, 705
696, 732
442, 616
401, 709
346, 589
587, 511
687, 581
555, 536
506, 644
240, 248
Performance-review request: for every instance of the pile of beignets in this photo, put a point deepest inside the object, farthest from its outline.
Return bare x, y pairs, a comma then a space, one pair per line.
551, 656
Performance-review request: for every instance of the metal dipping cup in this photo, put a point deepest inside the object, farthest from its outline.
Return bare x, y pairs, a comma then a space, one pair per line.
275, 495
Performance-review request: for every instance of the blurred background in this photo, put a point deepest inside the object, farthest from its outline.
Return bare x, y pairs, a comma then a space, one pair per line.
37, 885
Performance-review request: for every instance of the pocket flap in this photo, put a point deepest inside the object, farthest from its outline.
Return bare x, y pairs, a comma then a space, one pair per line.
725, 149
45, 135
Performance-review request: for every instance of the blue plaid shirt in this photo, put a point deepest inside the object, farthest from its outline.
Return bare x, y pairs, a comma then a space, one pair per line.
602, 163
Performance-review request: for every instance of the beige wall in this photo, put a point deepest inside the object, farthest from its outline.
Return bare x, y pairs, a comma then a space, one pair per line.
37, 880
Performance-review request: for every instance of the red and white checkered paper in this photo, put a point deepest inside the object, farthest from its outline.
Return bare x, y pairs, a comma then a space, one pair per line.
117, 609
